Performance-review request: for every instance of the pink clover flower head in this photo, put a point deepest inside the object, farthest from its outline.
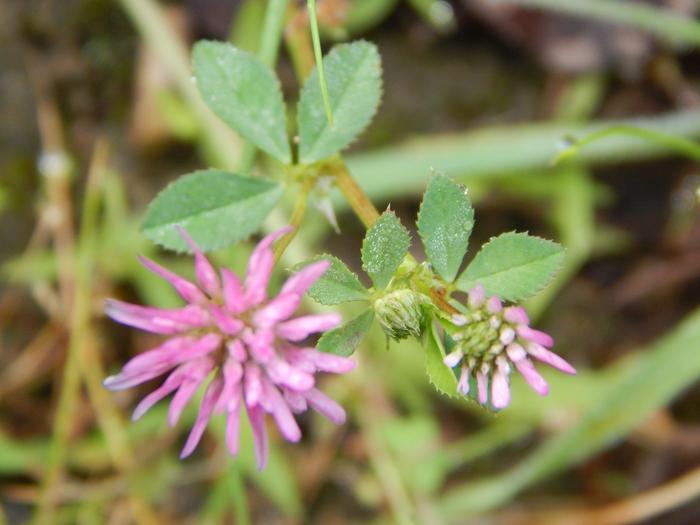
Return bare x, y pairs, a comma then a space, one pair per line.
490, 341
248, 343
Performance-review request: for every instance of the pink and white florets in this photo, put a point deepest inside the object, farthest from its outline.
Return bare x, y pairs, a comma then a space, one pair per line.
248, 342
489, 340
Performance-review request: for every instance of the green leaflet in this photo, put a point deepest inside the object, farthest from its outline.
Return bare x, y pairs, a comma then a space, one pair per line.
215, 207
337, 285
244, 93
439, 374
353, 73
445, 222
344, 341
384, 247
513, 266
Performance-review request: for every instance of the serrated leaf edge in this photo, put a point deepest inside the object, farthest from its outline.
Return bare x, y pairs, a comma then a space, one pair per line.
537, 290
420, 210
380, 75
205, 248
362, 249
286, 157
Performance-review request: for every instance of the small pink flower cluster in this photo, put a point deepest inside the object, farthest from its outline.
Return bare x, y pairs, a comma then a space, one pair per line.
490, 339
231, 330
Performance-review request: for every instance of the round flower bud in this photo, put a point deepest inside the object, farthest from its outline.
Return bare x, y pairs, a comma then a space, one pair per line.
399, 313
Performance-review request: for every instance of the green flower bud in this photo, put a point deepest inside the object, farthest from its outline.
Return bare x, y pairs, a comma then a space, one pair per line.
399, 313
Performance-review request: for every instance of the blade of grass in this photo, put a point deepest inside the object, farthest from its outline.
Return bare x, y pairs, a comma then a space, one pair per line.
405, 168
318, 54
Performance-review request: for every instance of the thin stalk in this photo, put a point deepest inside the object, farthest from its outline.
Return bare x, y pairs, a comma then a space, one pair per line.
357, 199
270, 38
676, 143
299, 45
297, 217
318, 54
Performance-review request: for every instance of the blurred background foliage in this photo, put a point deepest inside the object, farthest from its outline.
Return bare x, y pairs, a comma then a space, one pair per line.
99, 113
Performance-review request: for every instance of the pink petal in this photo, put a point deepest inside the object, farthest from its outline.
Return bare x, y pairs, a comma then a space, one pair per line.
282, 373
459, 320
482, 385
542, 354
535, 336
224, 321
282, 414
325, 406
533, 378
157, 320
233, 292
278, 309
205, 410
231, 393
301, 281
301, 327
196, 373
257, 423
233, 423
174, 352
126, 380
453, 358
252, 385
516, 315
188, 291
236, 350
463, 383
260, 344
516, 352
159, 355
476, 296
173, 381
260, 267
323, 361
494, 305
500, 392
295, 400
206, 275
507, 335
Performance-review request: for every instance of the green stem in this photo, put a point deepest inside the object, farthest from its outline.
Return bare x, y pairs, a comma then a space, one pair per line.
297, 216
357, 199
318, 54
270, 38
